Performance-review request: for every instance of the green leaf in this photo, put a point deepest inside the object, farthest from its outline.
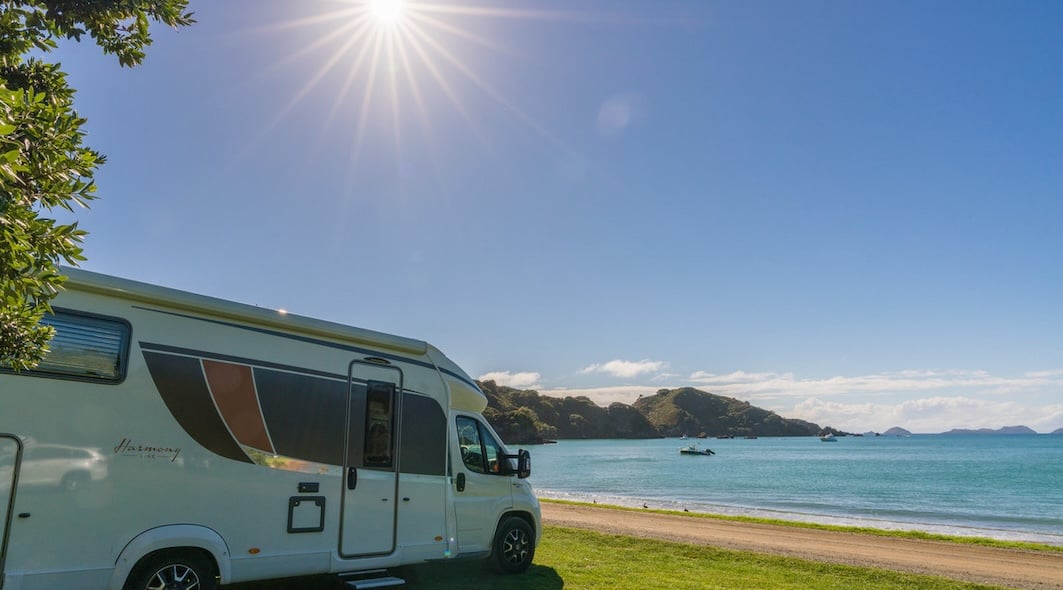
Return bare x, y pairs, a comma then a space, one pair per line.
43, 162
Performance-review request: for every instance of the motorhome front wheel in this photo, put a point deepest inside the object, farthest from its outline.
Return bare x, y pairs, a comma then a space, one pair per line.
514, 546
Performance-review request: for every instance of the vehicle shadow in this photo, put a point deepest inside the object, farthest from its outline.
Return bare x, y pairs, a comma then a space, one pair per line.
473, 575
461, 575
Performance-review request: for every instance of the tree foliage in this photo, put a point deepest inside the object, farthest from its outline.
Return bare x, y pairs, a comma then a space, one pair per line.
44, 164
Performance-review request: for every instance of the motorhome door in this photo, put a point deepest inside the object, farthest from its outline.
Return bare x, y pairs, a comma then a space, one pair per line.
371, 459
10, 453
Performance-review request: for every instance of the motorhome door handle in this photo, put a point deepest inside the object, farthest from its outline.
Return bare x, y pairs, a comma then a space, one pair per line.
461, 482
352, 478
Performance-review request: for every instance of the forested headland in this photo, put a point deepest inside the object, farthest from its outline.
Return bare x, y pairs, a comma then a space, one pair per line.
524, 416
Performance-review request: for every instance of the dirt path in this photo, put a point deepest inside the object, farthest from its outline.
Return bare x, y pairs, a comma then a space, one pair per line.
1004, 567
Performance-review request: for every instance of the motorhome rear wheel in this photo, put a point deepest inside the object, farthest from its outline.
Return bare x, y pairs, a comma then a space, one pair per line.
173, 570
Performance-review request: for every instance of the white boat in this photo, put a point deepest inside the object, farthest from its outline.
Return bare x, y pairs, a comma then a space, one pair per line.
694, 449
829, 437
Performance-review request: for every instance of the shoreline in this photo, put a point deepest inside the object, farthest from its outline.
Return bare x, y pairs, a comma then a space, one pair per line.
1011, 567
901, 527
817, 525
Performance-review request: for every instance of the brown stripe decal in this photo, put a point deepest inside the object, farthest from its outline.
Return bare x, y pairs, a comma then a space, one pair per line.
182, 387
234, 394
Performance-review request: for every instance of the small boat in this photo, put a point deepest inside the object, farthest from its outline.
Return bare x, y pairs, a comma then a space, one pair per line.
695, 450
828, 438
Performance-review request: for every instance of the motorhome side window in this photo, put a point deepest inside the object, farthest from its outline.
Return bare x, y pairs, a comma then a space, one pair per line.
85, 347
479, 450
379, 424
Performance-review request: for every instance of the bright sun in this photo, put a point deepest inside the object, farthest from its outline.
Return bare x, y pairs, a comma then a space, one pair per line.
388, 12
396, 56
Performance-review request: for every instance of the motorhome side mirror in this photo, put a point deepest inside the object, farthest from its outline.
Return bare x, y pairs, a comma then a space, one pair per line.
519, 464
523, 464
505, 464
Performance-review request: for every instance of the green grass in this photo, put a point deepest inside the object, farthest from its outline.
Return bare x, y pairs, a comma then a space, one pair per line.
585, 560
575, 559
982, 541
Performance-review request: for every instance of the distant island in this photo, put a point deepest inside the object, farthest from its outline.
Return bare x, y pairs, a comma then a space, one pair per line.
526, 417
898, 431
1005, 430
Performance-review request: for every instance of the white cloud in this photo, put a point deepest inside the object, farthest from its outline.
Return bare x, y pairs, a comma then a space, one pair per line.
918, 400
927, 415
735, 377
1057, 373
774, 385
525, 380
625, 369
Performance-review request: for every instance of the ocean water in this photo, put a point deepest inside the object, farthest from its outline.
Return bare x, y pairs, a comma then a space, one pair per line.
1002, 487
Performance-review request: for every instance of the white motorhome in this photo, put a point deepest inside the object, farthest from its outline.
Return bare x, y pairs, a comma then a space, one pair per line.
172, 440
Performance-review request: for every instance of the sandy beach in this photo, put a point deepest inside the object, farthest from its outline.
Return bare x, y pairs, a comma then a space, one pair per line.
1012, 568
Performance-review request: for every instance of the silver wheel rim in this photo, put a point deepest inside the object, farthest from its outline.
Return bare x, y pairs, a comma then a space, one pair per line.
174, 577
515, 546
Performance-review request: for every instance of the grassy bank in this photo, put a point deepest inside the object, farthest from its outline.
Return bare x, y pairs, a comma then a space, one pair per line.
583, 560
572, 558
982, 541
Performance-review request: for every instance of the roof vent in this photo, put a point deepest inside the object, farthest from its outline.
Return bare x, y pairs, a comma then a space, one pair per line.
377, 360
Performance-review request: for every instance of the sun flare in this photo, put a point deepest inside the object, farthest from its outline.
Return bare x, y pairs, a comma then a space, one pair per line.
387, 12
392, 58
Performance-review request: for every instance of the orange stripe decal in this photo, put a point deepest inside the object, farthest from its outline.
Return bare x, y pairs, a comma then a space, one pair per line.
234, 393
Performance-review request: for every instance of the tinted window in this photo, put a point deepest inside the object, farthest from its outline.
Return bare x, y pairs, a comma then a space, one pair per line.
471, 449
87, 347
379, 424
479, 450
424, 436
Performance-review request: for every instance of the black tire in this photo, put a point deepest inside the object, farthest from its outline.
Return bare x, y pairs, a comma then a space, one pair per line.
173, 570
514, 546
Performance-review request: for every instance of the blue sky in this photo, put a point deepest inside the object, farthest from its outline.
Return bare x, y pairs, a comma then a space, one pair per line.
846, 212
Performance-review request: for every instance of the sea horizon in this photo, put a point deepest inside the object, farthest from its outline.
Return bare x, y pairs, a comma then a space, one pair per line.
1006, 487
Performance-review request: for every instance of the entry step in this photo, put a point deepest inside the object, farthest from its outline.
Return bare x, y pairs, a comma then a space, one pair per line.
371, 579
